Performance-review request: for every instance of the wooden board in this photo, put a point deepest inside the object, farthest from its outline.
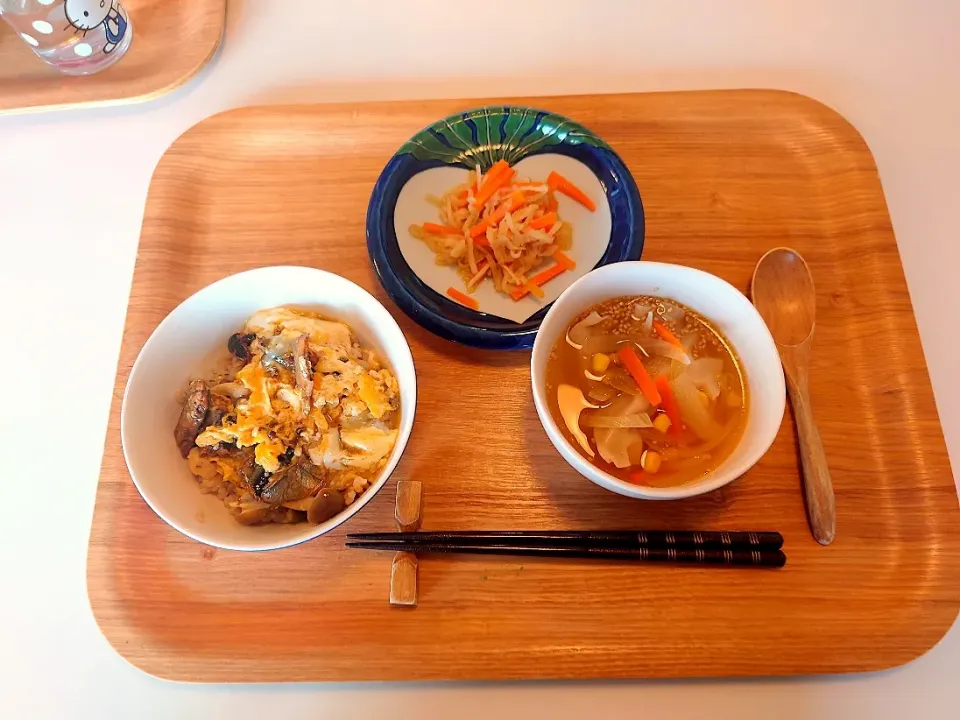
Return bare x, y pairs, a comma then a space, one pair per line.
724, 177
171, 42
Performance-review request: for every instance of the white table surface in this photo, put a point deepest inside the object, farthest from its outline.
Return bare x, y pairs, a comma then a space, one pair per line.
72, 191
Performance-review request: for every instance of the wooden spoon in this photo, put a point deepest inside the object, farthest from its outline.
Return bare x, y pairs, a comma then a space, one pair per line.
782, 290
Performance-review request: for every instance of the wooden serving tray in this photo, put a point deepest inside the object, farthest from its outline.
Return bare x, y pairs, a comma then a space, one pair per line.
171, 42
724, 177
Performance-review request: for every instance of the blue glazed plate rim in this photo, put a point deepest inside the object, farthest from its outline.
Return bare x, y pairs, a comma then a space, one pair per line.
449, 319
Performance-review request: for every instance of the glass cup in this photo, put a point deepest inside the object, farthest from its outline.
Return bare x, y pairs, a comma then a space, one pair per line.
77, 37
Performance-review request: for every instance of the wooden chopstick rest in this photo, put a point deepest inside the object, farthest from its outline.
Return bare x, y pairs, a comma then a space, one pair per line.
403, 573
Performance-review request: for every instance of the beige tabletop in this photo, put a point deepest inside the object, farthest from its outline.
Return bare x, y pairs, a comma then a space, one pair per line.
72, 191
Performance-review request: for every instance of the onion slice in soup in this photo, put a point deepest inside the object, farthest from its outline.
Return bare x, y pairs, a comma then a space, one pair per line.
651, 346
640, 311
627, 411
656, 346
704, 372
636, 420
615, 444
578, 333
617, 377
695, 415
673, 313
624, 405
601, 393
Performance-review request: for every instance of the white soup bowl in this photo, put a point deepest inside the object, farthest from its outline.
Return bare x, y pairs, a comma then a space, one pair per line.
726, 309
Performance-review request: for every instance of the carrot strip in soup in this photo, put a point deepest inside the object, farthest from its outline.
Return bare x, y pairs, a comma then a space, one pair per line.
542, 222
463, 298
559, 183
435, 229
664, 332
628, 356
670, 405
564, 259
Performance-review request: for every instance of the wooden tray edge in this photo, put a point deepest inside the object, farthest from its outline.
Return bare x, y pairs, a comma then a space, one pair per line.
162, 670
814, 107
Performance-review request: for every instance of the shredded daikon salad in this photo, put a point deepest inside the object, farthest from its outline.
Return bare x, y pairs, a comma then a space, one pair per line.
504, 229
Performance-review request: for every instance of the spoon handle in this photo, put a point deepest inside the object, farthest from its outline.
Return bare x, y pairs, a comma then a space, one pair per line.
817, 485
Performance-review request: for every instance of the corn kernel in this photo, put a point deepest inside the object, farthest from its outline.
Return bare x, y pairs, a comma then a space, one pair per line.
599, 363
650, 461
662, 423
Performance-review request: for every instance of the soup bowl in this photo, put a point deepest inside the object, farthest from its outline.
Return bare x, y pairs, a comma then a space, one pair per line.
719, 303
190, 342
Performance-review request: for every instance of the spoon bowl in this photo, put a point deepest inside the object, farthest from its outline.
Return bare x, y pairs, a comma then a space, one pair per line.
783, 292
784, 295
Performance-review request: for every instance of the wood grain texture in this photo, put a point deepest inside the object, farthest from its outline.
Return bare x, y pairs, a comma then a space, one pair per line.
724, 177
171, 42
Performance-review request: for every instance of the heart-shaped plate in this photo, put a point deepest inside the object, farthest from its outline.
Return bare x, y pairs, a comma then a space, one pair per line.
534, 142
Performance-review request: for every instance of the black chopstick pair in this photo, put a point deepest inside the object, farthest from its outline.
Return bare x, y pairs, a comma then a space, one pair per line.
751, 549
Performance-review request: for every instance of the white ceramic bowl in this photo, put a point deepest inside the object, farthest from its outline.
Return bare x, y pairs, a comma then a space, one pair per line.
188, 344
729, 311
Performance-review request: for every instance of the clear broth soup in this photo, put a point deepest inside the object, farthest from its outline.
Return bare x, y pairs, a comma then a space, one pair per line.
669, 397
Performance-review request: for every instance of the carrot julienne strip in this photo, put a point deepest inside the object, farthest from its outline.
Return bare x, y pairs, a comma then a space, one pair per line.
564, 259
463, 298
558, 182
539, 279
498, 176
549, 274
544, 221
436, 229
